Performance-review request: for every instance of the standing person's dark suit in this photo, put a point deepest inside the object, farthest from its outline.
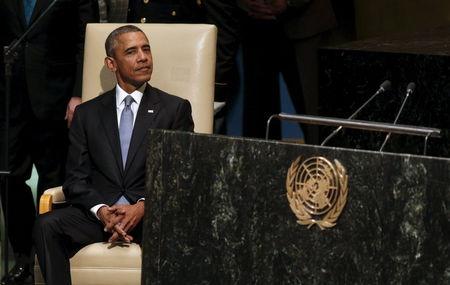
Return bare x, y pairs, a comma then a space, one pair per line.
105, 182
45, 89
223, 14
151, 11
281, 36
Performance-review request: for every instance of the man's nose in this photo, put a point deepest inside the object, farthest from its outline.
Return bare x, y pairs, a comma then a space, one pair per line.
142, 56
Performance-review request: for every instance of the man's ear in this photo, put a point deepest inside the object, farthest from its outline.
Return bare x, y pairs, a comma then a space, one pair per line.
110, 63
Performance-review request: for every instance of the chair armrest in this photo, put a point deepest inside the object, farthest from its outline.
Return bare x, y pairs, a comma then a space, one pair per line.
51, 196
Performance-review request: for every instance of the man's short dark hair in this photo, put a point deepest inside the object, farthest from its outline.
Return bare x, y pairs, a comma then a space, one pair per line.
111, 40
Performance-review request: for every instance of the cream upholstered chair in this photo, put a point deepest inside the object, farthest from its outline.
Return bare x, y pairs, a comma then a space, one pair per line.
184, 65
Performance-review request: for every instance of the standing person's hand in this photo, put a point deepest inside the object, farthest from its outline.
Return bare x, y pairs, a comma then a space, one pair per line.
258, 9
278, 6
73, 103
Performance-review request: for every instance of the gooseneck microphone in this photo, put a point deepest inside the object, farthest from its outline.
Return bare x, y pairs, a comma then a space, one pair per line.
385, 86
409, 90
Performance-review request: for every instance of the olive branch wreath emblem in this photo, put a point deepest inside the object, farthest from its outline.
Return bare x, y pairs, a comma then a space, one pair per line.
296, 192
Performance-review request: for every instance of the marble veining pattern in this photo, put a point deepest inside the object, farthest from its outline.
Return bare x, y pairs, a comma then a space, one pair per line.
218, 214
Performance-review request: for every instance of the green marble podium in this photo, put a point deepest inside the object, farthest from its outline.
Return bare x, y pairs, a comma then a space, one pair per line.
217, 213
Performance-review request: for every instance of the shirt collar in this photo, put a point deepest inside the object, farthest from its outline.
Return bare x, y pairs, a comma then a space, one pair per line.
137, 94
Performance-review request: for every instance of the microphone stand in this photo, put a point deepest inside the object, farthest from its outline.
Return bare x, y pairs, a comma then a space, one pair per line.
360, 125
425, 145
10, 54
385, 86
409, 91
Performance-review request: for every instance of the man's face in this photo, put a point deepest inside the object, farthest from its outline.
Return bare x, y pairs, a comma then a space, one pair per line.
132, 61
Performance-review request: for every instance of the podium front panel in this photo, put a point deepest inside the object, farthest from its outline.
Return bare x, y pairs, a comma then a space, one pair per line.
217, 213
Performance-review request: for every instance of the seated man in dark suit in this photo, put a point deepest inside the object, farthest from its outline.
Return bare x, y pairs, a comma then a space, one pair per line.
106, 163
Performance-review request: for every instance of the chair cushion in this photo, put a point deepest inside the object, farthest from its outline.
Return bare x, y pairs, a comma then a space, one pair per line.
120, 255
105, 263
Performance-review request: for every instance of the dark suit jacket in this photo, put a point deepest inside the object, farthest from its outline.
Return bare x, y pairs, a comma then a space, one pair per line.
154, 11
51, 55
94, 168
307, 18
165, 11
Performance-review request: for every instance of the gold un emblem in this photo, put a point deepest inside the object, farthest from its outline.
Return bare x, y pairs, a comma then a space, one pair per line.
317, 191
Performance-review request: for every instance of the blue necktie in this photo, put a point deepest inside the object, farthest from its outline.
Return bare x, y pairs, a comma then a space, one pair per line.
126, 128
122, 201
28, 7
125, 131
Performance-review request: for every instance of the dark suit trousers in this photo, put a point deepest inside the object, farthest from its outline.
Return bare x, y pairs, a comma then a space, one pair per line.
32, 140
58, 235
267, 53
222, 13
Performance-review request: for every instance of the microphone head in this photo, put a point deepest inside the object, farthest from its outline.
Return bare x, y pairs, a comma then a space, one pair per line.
411, 87
385, 86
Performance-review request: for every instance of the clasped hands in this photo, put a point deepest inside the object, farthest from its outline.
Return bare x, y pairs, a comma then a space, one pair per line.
121, 219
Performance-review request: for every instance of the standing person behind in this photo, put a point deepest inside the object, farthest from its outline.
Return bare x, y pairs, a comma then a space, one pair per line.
45, 89
224, 15
105, 182
281, 36
151, 11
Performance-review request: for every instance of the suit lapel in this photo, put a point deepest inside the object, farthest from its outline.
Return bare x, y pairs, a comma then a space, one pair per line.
108, 116
147, 112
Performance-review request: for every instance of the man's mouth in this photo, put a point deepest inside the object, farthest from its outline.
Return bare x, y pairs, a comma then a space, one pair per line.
144, 68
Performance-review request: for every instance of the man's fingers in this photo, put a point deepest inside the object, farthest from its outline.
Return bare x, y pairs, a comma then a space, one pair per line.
118, 210
112, 209
116, 219
121, 211
109, 226
110, 221
117, 237
118, 228
129, 238
123, 219
114, 237
129, 225
120, 234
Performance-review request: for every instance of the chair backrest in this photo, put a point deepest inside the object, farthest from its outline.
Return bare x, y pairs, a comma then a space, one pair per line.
184, 57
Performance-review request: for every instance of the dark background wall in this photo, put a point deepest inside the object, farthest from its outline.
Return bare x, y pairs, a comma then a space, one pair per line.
403, 41
359, 20
384, 17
